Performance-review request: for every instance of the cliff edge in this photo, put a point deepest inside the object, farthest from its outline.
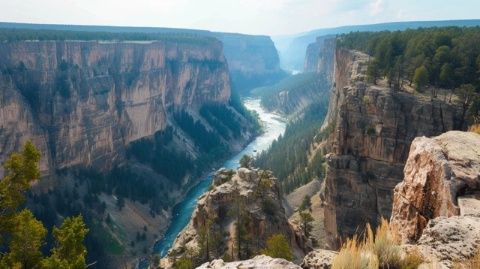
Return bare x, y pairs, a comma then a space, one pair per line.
370, 130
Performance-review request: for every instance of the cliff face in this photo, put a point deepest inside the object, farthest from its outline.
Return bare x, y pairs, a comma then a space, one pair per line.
252, 60
245, 204
319, 55
82, 102
372, 128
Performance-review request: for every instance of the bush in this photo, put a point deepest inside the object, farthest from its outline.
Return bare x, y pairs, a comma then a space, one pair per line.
278, 247
183, 263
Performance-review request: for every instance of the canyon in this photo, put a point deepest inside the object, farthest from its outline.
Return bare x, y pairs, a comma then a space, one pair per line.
111, 117
129, 129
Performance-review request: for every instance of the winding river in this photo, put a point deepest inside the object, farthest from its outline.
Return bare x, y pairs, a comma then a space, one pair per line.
273, 126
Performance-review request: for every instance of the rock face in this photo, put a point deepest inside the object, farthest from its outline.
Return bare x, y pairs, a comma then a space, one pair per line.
319, 259
247, 201
258, 262
319, 57
252, 60
371, 129
83, 102
437, 172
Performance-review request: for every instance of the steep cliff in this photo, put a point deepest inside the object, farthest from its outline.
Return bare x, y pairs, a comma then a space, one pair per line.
320, 54
87, 100
252, 60
371, 128
121, 126
233, 219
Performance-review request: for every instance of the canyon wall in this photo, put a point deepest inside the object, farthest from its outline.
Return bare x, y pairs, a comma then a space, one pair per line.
319, 55
82, 102
371, 128
252, 60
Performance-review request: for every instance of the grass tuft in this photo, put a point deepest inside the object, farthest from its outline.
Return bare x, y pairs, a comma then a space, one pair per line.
377, 249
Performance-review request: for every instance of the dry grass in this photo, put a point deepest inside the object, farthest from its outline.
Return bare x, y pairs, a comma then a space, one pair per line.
375, 250
475, 128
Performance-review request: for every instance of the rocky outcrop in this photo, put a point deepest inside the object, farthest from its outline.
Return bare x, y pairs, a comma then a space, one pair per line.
370, 131
319, 259
447, 241
246, 201
438, 171
258, 262
320, 54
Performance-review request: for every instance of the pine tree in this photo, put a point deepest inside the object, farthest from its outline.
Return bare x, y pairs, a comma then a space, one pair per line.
20, 170
421, 77
69, 251
305, 223
27, 239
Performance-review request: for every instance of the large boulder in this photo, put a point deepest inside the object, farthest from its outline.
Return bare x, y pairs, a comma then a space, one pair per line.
438, 171
258, 262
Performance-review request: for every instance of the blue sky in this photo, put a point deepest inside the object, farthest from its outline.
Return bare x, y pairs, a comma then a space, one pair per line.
272, 17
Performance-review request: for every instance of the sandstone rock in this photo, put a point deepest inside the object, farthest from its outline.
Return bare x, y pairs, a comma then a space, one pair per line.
438, 170
371, 129
447, 240
258, 262
319, 259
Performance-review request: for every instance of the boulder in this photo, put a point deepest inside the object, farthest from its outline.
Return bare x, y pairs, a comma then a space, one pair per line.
319, 259
437, 172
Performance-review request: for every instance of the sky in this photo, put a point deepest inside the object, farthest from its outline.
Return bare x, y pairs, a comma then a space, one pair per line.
271, 17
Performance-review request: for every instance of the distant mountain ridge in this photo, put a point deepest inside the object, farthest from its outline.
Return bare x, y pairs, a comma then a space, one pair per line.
292, 48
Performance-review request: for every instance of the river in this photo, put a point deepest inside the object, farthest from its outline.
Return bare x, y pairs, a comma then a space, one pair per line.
273, 126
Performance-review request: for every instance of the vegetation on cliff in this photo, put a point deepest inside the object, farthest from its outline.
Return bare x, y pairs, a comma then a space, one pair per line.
22, 236
446, 58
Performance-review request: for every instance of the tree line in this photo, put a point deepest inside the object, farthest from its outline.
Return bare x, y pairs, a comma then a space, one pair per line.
432, 58
15, 34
